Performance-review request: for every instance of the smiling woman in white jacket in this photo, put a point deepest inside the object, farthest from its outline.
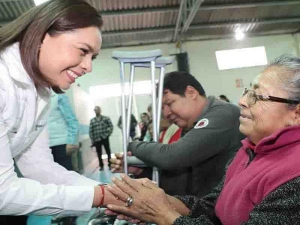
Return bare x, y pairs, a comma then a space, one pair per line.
48, 47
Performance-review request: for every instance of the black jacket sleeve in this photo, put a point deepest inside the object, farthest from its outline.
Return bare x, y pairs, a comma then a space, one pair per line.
202, 209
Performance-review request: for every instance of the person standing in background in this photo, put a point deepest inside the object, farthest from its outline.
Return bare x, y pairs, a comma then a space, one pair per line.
101, 128
133, 123
145, 118
169, 132
63, 128
147, 136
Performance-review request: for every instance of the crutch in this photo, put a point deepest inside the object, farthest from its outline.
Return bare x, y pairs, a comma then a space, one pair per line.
131, 58
160, 63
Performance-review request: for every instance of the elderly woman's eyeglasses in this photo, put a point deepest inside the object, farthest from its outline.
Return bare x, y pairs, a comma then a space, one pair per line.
252, 97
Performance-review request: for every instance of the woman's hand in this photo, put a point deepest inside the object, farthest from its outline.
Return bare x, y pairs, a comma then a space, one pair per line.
108, 197
70, 149
150, 203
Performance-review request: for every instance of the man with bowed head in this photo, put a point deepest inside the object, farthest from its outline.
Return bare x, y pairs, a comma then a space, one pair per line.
194, 164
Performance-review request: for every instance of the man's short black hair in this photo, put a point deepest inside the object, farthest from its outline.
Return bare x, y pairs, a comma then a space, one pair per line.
178, 81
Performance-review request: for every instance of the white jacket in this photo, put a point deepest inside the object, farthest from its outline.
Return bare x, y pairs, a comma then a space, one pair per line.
47, 188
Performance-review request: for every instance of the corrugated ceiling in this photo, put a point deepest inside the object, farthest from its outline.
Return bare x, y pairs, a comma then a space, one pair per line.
136, 22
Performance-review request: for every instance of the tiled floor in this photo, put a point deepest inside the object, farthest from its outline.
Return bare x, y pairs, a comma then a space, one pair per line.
104, 176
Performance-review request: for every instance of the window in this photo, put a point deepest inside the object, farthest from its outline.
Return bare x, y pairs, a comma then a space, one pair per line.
239, 58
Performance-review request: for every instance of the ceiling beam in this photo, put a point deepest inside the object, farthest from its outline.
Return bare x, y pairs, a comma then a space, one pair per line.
199, 38
176, 9
249, 5
179, 19
139, 11
2, 23
201, 26
9, 0
202, 8
140, 31
191, 16
198, 26
259, 22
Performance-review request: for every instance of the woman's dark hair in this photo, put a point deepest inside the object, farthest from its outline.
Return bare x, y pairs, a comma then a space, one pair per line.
52, 17
178, 81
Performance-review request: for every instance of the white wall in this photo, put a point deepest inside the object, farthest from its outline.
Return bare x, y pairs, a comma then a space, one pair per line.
106, 70
202, 63
215, 82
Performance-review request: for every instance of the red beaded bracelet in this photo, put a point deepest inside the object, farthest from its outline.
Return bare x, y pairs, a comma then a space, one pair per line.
103, 193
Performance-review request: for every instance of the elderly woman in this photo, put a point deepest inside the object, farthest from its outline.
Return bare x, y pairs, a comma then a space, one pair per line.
262, 183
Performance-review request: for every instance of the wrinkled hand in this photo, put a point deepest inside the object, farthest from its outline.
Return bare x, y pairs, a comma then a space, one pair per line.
127, 218
150, 203
124, 217
117, 164
71, 148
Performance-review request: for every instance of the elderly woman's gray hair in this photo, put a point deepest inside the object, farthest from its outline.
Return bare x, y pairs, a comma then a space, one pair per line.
288, 74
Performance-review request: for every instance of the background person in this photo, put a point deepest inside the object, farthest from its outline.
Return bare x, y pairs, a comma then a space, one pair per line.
63, 129
133, 123
101, 128
145, 118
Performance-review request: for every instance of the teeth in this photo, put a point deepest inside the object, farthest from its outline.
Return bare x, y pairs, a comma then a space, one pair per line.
72, 74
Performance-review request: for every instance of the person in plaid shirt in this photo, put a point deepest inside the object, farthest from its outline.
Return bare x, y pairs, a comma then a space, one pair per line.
101, 128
